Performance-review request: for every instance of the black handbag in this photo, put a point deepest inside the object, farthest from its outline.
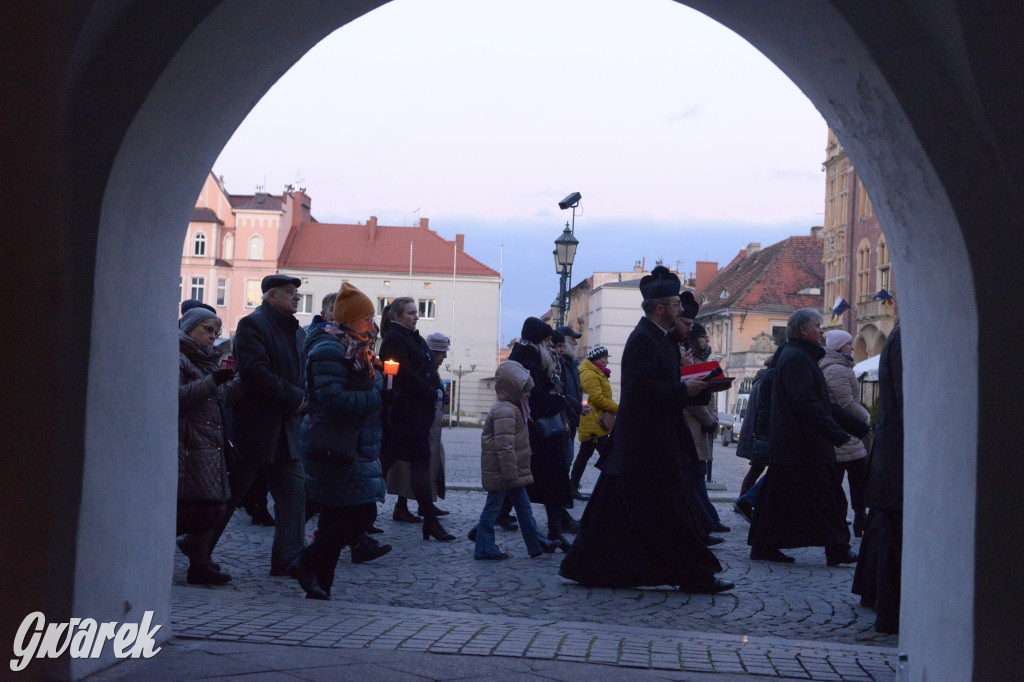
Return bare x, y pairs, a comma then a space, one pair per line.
335, 443
552, 426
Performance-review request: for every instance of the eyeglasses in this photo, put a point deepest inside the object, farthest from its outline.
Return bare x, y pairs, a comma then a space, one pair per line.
211, 329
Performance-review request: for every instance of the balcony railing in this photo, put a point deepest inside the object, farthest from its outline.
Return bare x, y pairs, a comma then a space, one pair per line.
871, 308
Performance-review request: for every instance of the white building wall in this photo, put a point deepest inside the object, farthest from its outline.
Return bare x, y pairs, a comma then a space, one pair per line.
474, 337
614, 313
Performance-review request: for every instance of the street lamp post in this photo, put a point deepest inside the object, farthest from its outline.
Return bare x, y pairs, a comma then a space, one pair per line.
565, 253
459, 372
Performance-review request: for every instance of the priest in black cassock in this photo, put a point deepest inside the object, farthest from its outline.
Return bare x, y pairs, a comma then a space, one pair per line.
802, 503
636, 529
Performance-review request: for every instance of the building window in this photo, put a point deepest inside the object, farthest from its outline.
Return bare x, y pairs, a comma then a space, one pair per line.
382, 303
428, 308
306, 303
256, 247
229, 248
222, 291
884, 265
199, 245
864, 292
426, 285
253, 293
198, 290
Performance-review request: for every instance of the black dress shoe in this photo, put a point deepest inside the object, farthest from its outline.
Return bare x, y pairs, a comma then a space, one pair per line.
472, 534
847, 557
301, 570
572, 527
860, 524
500, 556
557, 543
743, 508
560, 542
440, 512
775, 555
206, 574
278, 571
374, 530
368, 550
405, 516
433, 529
507, 524
713, 540
722, 528
714, 586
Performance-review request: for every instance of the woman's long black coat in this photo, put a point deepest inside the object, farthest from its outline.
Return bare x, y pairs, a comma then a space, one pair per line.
547, 463
411, 409
885, 475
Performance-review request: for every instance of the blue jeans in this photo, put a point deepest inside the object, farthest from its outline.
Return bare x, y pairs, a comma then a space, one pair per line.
485, 546
750, 497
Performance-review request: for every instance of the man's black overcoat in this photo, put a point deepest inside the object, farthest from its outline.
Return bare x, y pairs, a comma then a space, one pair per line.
801, 427
267, 346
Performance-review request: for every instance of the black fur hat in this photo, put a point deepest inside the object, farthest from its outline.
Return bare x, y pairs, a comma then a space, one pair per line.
661, 283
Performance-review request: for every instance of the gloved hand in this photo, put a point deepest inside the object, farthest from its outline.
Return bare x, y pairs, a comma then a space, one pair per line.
222, 376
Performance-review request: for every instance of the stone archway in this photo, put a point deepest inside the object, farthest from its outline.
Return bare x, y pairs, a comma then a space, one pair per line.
860, 348
918, 95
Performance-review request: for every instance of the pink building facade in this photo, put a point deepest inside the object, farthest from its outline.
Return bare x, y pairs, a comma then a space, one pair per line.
232, 243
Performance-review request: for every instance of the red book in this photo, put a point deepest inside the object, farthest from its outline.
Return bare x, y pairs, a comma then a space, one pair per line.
699, 371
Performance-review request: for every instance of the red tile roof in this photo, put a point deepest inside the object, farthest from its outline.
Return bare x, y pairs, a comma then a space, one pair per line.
324, 246
768, 280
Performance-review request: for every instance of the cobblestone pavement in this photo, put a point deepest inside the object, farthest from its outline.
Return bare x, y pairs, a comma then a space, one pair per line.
796, 620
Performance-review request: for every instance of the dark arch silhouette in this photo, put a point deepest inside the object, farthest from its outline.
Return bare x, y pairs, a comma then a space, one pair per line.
114, 111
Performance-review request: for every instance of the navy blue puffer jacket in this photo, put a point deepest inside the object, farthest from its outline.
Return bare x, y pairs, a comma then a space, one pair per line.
343, 397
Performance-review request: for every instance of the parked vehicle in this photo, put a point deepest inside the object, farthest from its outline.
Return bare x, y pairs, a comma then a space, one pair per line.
729, 422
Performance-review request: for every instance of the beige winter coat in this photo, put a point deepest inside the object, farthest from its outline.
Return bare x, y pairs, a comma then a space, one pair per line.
844, 391
505, 442
697, 416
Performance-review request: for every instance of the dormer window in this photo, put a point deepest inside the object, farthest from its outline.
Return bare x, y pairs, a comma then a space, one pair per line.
724, 295
810, 291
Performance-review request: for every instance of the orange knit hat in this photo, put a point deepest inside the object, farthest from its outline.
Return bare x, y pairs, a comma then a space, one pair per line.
351, 304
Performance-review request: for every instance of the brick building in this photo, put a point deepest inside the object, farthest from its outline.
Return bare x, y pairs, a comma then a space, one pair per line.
856, 257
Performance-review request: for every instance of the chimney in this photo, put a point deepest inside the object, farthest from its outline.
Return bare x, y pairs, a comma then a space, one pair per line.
424, 222
817, 231
372, 224
460, 241
706, 271
752, 248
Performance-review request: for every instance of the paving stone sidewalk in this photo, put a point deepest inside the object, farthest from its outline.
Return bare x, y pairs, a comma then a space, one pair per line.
782, 620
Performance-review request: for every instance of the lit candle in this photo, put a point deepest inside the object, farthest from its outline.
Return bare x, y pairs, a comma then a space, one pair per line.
390, 370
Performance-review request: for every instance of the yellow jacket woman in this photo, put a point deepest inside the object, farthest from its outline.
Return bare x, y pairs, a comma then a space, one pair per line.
596, 424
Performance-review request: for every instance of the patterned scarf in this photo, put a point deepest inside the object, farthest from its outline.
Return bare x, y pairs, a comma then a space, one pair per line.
358, 350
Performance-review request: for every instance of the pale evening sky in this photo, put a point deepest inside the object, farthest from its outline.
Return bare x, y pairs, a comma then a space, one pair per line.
685, 142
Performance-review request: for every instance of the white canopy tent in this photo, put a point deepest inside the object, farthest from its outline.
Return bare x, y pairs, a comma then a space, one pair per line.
869, 367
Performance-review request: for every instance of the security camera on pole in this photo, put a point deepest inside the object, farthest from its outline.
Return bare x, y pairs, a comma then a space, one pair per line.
565, 253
